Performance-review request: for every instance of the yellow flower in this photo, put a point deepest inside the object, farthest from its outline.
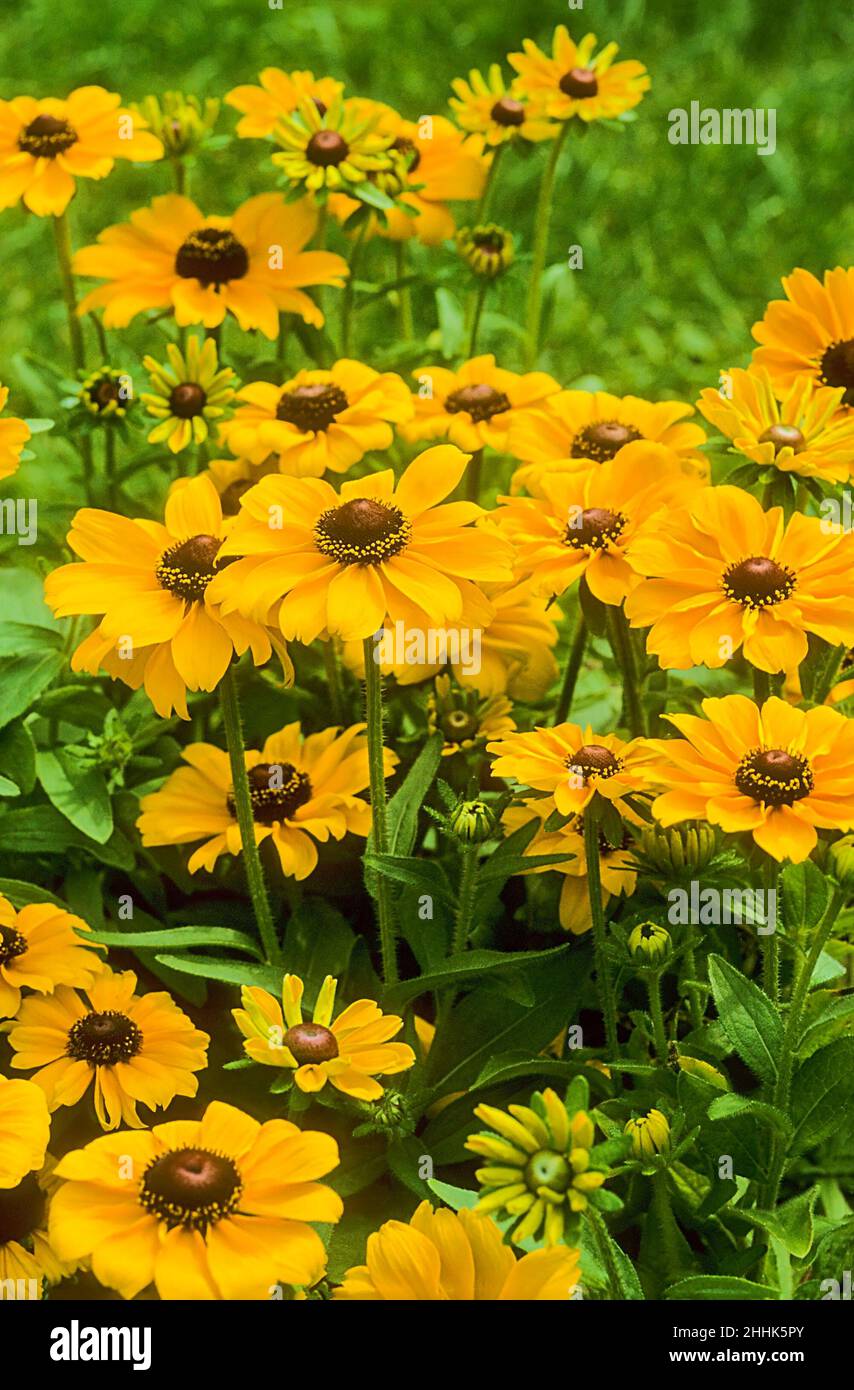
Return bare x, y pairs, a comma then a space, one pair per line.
779, 773
170, 256
25, 1250
46, 144
330, 151
24, 1130
573, 765
466, 721
302, 789
217, 1208
151, 582
348, 1052
810, 331
587, 520
650, 1134
577, 81
40, 949
805, 434
341, 563
458, 1256
486, 250
319, 421
488, 106
14, 434
106, 393
187, 394
475, 405
728, 575
136, 1050
279, 94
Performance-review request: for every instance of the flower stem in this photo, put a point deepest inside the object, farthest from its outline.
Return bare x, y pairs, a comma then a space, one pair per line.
404, 297
349, 291
573, 669
534, 313
694, 1000
602, 1237
110, 467
62, 238
624, 655
603, 975
479, 302
243, 807
483, 205
376, 769
761, 686
465, 901
653, 989
179, 174
828, 678
771, 941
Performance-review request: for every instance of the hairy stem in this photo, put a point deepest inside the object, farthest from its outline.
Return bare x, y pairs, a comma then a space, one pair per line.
604, 984
376, 768
534, 311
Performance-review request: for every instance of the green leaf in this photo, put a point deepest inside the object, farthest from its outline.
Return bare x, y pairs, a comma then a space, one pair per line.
458, 1198
494, 870
629, 1283
748, 1018
725, 1107
833, 1019
179, 937
78, 791
402, 810
469, 965
318, 942
805, 893
511, 1066
426, 875
22, 894
42, 830
822, 1090
23, 678
19, 638
18, 758
452, 322
791, 1224
720, 1286
230, 971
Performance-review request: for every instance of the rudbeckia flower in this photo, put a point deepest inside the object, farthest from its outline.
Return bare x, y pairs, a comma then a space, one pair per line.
14, 434
170, 256
573, 765
160, 628
39, 949
347, 1052
475, 405
279, 94
329, 151
728, 575
106, 394
135, 1050
320, 421
341, 564
443, 1255
25, 1250
466, 720
46, 144
779, 773
24, 1130
810, 331
217, 1208
804, 433
575, 80
586, 521
187, 394
488, 106
302, 789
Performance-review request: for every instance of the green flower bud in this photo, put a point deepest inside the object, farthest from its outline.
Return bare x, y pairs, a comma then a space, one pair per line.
488, 250
681, 850
650, 1134
650, 944
840, 861
472, 822
181, 122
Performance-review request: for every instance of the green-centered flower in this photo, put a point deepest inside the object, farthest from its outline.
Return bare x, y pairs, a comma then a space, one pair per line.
650, 1134
487, 250
650, 944
107, 394
182, 123
187, 394
333, 151
465, 720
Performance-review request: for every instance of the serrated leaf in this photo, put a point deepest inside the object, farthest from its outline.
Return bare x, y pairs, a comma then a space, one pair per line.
77, 791
791, 1224
728, 1106
805, 893
749, 1019
822, 1090
42, 830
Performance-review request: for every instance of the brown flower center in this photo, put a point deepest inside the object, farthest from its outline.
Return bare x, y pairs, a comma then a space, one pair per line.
594, 528
837, 368
276, 791
22, 1210
311, 1042
593, 760
327, 147
362, 531
579, 83
187, 400
784, 437
187, 568
602, 440
213, 256
311, 407
480, 401
191, 1187
103, 1039
104, 393
758, 582
508, 112
12, 943
458, 724
46, 137
774, 776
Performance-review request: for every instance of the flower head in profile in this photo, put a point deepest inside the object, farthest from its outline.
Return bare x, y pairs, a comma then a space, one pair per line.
804, 433
150, 582
466, 720
497, 110
650, 1134
726, 575
319, 421
14, 434
303, 789
187, 393
48, 143
39, 949
279, 94
24, 1130
810, 332
330, 151
25, 1250
171, 256
320, 562
476, 405
487, 250
347, 1052
573, 764
575, 80
182, 122
216, 1208
133, 1050
777, 773
460, 1256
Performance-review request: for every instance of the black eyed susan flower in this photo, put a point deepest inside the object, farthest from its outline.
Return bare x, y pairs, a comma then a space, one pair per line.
810, 331
106, 395
39, 949
25, 1250
319, 421
649, 945
575, 80
330, 151
134, 1050
182, 123
460, 1256
777, 772
278, 95
303, 788
347, 1052
14, 434
24, 1130
498, 111
487, 250
573, 764
46, 144
466, 720
475, 405
170, 256
187, 394
217, 1208
650, 1134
